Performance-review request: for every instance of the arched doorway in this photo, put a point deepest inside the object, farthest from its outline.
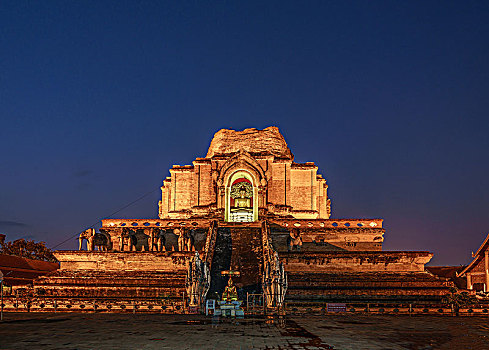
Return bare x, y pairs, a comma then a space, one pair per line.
241, 198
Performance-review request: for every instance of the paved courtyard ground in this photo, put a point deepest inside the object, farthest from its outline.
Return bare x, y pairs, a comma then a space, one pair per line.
153, 331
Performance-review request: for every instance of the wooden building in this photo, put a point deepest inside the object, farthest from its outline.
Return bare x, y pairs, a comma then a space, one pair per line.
477, 272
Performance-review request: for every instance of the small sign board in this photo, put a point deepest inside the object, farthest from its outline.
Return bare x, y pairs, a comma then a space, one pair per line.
336, 307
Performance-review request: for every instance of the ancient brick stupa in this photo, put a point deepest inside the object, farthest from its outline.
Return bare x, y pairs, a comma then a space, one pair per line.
245, 210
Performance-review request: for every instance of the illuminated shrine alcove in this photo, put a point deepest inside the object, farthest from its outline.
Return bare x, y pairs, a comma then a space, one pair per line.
241, 199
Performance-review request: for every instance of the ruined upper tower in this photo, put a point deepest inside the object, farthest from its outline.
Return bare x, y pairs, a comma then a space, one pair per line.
245, 175
268, 141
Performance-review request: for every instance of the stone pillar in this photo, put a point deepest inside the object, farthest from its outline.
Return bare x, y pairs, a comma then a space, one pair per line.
221, 190
486, 263
121, 243
255, 203
469, 281
262, 201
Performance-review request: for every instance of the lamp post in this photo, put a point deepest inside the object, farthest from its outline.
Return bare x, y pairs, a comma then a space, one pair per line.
1, 291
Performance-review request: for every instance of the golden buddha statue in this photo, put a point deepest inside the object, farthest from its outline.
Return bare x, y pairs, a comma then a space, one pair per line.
230, 292
242, 201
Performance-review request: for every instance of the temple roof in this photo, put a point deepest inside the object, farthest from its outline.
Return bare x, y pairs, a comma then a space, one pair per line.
268, 141
479, 255
449, 272
20, 271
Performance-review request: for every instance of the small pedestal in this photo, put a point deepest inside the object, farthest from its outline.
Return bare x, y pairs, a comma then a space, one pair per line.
193, 310
229, 309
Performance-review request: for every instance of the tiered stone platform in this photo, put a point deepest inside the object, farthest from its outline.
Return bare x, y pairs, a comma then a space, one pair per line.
117, 275
112, 284
314, 278
365, 287
354, 261
361, 276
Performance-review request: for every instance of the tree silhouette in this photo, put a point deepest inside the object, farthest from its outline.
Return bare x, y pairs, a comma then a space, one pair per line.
28, 249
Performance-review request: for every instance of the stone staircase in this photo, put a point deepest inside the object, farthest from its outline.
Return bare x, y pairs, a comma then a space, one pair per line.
247, 258
221, 260
237, 248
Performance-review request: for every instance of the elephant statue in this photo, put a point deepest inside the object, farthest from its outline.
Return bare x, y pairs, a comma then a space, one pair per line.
156, 240
127, 238
294, 241
185, 239
95, 240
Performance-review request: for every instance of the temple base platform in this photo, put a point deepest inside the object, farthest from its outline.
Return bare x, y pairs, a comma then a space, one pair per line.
156, 280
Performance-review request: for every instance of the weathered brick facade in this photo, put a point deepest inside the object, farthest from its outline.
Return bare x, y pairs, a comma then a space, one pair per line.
282, 186
243, 205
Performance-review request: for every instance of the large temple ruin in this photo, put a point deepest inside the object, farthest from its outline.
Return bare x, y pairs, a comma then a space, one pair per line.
245, 210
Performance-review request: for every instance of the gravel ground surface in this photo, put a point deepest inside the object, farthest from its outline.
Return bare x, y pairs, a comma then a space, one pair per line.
153, 331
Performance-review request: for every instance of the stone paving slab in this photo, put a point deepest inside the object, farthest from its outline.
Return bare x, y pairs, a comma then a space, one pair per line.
153, 331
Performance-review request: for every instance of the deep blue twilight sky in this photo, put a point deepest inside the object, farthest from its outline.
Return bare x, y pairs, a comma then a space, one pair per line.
390, 99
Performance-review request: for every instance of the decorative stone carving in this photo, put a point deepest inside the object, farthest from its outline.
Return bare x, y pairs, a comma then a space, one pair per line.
88, 236
160, 208
197, 281
95, 240
210, 242
241, 190
274, 282
294, 241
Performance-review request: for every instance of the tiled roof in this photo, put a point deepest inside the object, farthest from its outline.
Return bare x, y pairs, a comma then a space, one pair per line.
477, 256
19, 271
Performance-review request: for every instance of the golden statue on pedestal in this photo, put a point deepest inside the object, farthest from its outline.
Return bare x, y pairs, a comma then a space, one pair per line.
230, 293
242, 201
242, 193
